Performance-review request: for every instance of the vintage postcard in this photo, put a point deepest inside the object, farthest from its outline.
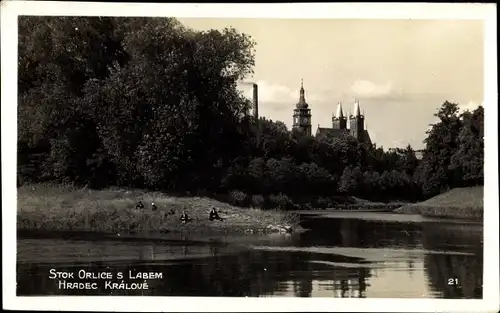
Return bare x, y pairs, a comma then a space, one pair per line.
249, 157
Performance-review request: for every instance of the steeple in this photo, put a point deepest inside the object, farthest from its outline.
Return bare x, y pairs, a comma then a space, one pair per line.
340, 112
302, 104
338, 120
357, 122
357, 111
302, 113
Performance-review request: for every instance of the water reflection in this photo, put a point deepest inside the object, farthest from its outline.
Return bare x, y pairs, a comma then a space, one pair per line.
251, 273
360, 233
455, 276
236, 271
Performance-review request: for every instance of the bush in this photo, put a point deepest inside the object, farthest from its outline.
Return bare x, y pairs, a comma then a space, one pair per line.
281, 201
307, 206
258, 201
323, 203
238, 198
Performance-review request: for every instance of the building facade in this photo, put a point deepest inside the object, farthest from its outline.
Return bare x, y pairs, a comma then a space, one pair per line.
342, 125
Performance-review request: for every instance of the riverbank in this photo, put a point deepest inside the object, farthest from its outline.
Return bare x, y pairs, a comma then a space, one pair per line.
464, 203
361, 205
47, 207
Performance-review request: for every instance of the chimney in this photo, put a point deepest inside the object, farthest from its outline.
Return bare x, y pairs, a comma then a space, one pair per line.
255, 101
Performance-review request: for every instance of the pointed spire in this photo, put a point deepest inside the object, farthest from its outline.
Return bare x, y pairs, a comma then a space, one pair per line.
339, 113
302, 92
357, 112
302, 99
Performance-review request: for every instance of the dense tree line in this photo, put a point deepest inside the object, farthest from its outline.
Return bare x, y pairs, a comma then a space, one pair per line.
149, 103
454, 153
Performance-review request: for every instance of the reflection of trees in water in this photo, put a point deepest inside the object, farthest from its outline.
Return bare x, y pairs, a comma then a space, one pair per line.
468, 269
147, 252
350, 233
458, 237
410, 265
363, 275
359, 233
255, 273
251, 273
351, 283
302, 285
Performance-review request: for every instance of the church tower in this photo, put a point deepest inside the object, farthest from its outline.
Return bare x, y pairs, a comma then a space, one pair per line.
339, 121
302, 113
357, 121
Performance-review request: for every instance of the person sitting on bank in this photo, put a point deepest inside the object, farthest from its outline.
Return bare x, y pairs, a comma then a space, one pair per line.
153, 207
184, 217
214, 215
171, 212
139, 206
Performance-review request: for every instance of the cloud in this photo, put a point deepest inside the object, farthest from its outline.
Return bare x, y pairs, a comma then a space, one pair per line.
277, 93
399, 144
269, 92
368, 89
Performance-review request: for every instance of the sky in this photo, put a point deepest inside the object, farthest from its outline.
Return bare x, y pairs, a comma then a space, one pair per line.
400, 71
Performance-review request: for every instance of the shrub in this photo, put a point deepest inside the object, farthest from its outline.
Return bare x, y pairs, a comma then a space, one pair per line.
323, 203
258, 201
238, 197
280, 201
307, 206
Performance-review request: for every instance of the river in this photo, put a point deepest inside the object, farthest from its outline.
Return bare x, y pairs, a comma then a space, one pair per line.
349, 255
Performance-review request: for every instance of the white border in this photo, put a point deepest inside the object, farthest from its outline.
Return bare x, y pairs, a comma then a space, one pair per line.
10, 11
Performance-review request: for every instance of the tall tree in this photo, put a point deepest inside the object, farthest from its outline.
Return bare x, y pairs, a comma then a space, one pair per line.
468, 160
57, 56
441, 143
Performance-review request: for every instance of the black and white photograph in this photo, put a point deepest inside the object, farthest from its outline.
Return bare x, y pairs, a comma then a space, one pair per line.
250, 158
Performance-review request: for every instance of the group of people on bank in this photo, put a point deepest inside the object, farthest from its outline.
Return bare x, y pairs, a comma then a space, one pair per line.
212, 216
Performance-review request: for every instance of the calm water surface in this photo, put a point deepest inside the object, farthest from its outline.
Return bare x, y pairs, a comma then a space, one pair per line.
360, 255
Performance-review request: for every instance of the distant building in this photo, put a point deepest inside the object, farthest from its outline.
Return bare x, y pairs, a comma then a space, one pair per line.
419, 154
302, 114
302, 121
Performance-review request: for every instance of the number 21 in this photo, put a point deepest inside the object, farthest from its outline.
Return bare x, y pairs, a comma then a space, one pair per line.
452, 281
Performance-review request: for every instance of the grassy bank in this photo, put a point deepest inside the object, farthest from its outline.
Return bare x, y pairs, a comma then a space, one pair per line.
358, 204
464, 203
53, 207
313, 203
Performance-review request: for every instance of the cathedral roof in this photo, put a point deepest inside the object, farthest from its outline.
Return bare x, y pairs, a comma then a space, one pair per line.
366, 137
323, 132
302, 104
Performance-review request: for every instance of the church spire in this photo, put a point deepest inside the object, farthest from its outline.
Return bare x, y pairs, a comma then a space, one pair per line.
302, 99
339, 112
357, 111
302, 92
